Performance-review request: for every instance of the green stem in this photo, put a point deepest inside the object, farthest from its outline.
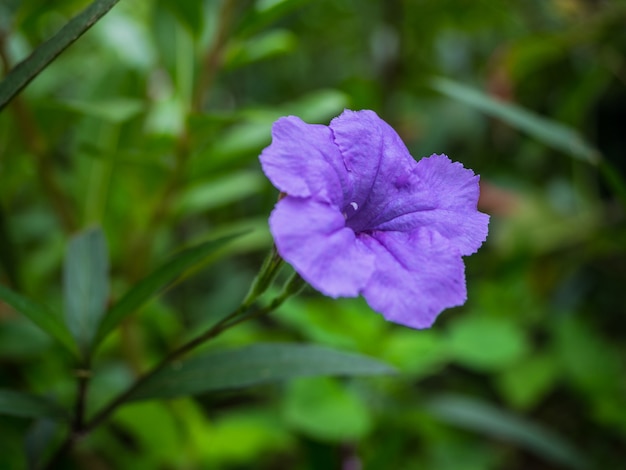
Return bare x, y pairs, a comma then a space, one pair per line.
269, 269
171, 357
213, 59
36, 145
243, 313
246, 311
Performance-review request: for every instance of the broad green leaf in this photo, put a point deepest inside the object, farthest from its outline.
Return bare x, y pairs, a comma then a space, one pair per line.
419, 355
86, 285
325, 409
242, 436
41, 57
551, 133
261, 363
29, 406
486, 343
158, 280
484, 418
40, 315
155, 429
526, 383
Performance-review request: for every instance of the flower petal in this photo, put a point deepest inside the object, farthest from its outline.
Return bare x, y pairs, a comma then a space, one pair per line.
303, 161
441, 196
313, 238
375, 158
418, 275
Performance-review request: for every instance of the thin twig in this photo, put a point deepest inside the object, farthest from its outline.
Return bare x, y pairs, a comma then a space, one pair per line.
37, 146
214, 57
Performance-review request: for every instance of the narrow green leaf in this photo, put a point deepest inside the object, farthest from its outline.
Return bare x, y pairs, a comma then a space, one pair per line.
482, 417
551, 133
39, 439
40, 315
159, 279
318, 106
251, 365
215, 193
29, 406
258, 48
114, 110
41, 57
86, 285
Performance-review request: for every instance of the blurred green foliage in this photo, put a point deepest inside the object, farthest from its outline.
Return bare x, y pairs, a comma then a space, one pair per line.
150, 125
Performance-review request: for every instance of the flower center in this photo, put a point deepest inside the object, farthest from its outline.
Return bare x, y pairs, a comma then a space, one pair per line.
347, 213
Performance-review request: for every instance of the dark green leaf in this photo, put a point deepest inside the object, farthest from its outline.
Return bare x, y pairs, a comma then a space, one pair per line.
29, 406
551, 133
253, 365
41, 57
159, 279
40, 315
38, 439
86, 285
482, 417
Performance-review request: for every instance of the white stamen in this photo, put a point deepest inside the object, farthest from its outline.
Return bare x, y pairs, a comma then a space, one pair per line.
354, 205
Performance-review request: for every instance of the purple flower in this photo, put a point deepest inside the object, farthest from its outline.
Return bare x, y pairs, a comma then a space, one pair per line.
361, 216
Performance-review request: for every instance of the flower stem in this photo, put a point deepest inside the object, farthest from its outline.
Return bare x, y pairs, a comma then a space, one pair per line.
243, 313
248, 309
269, 269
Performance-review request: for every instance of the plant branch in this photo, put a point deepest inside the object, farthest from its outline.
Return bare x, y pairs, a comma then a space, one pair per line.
37, 147
213, 58
248, 310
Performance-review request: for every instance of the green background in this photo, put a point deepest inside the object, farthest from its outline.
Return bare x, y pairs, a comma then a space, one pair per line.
150, 126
